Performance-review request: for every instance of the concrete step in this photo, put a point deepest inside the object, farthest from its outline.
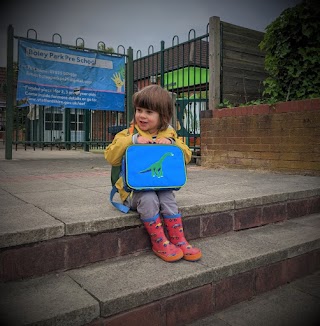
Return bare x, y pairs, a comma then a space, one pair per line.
141, 289
293, 304
45, 248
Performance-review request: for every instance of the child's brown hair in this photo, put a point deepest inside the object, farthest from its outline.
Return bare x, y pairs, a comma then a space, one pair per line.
155, 98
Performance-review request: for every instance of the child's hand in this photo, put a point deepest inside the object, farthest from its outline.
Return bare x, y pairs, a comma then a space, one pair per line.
163, 141
143, 140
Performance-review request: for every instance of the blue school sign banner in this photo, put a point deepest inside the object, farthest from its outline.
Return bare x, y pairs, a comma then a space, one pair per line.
58, 76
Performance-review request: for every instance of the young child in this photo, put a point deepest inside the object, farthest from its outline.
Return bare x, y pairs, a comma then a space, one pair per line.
153, 109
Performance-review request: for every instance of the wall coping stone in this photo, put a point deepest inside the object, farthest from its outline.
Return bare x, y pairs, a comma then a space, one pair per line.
280, 107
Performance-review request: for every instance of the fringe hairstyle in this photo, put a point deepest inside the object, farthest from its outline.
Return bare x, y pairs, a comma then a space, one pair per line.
155, 98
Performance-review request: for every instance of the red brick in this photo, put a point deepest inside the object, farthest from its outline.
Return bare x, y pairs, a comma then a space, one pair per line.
262, 109
96, 322
206, 114
219, 113
314, 104
297, 208
214, 224
234, 112
133, 239
216, 113
85, 249
300, 266
142, 316
250, 109
32, 260
241, 111
228, 112
247, 218
191, 228
274, 213
270, 277
314, 205
265, 122
289, 121
314, 261
305, 105
188, 306
284, 107
234, 289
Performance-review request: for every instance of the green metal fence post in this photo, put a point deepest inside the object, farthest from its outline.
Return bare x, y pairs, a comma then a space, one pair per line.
9, 105
162, 64
87, 116
129, 85
67, 133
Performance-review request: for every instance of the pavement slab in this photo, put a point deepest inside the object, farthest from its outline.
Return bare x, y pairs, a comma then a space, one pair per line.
50, 300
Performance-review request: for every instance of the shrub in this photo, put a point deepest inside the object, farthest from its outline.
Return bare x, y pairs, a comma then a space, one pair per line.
292, 47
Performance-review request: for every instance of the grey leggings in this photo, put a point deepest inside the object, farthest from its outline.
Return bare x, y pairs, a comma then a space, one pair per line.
149, 203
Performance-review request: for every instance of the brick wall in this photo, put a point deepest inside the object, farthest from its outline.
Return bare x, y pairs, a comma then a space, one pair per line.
284, 137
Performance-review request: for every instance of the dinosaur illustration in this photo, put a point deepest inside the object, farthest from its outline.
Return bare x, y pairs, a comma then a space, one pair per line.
156, 167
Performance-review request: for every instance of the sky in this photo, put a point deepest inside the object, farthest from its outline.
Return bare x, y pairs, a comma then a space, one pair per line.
135, 23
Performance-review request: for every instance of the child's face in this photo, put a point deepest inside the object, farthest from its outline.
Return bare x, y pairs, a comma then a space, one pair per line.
147, 120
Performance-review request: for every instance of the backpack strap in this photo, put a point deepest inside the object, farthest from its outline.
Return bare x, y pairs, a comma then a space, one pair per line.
115, 172
122, 208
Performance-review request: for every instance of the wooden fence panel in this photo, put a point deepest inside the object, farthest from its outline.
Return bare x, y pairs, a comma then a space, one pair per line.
236, 62
242, 64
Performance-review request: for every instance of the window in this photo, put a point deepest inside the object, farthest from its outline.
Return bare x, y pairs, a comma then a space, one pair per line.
77, 122
53, 121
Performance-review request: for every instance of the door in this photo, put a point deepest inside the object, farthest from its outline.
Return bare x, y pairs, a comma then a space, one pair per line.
77, 125
53, 125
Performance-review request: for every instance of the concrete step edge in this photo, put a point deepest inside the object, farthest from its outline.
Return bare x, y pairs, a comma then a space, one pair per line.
16, 236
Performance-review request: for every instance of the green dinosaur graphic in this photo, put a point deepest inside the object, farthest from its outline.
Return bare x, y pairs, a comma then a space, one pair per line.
156, 167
